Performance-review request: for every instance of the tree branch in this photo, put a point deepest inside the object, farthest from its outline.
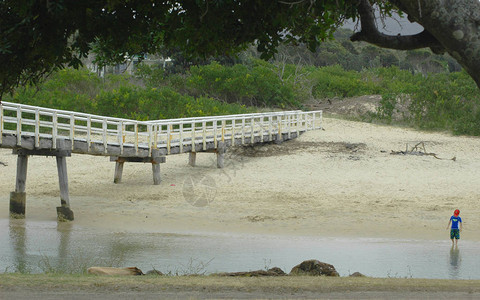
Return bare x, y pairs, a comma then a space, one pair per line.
372, 35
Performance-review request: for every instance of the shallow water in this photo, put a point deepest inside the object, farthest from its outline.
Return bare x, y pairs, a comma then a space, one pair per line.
35, 247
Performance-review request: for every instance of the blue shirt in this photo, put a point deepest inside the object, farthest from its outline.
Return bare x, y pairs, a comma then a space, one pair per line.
455, 221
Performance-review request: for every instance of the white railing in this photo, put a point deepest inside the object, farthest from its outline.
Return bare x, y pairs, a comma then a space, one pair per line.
38, 122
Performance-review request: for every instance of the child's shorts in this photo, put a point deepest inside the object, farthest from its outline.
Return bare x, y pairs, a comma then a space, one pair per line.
455, 233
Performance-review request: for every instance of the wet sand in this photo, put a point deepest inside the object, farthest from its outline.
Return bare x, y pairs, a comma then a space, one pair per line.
342, 181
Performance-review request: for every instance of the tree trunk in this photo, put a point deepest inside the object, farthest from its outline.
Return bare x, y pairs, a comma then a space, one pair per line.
451, 26
455, 24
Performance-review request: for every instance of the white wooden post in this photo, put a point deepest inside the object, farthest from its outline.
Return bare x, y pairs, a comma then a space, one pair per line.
243, 131
37, 128
233, 131
72, 130
270, 125
120, 136
252, 134
104, 135
204, 132
193, 137
169, 137
89, 127
214, 133
54, 130
181, 137
19, 126
1, 122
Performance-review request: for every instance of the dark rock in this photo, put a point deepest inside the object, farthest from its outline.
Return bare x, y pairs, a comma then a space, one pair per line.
314, 267
270, 272
154, 272
277, 271
357, 274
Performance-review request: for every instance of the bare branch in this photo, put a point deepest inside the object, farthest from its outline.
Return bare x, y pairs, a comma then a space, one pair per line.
370, 34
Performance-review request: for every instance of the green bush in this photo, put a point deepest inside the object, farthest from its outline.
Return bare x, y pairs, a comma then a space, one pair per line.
442, 101
256, 85
334, 81
83, 91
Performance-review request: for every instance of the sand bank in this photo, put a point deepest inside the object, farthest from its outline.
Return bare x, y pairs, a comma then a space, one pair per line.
341, 181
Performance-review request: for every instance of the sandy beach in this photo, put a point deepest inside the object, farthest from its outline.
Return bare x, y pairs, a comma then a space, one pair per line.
342, 181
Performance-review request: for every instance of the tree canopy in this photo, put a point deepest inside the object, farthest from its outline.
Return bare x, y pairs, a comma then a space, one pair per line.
38, 36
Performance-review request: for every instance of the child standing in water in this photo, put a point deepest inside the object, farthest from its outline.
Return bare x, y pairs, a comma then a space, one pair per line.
456, 222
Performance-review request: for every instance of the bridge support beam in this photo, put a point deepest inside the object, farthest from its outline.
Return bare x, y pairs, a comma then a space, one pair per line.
18, 197
219, 151
155, 160
63, 212
192, 159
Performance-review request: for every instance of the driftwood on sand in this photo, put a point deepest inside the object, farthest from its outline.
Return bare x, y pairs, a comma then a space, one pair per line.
114, 271
417, 150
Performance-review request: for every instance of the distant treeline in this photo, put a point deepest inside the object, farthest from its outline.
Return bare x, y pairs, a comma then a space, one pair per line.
440, 100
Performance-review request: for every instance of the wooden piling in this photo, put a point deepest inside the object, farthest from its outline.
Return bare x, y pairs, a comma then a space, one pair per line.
63, 212
18, 197
221, 149
156, 160
192, 159
117, 177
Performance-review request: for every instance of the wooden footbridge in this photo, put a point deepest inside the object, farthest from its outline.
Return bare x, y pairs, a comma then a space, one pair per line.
32, 130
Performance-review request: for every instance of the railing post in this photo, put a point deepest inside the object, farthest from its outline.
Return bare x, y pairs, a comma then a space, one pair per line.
193, 137
19, 126
135, 126
37, 128
204, 129
224, 124
89, 127
120, 136
243, 131
270, 128
150, 139
252, 134
155, 137
54, 130
289, 125
181, 137
233, 131
1, 122
298, 125
72, 130
104, 128
214, 123
169, 137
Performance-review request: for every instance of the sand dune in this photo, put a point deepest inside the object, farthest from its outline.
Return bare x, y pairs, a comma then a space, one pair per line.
341, 181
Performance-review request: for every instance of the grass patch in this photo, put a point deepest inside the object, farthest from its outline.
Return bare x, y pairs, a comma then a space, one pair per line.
287, 284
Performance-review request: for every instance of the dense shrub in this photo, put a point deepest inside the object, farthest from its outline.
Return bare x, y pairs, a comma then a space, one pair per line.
83, 91
446, 101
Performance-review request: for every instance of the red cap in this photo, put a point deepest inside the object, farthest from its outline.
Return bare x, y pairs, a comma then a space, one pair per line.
456, 213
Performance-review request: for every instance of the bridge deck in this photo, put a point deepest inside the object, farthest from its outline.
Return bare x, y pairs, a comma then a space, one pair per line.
31, 130
30, 127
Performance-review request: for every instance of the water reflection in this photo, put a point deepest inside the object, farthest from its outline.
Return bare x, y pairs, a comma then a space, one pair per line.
16, 231
64, 230
455, 261
29, 246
